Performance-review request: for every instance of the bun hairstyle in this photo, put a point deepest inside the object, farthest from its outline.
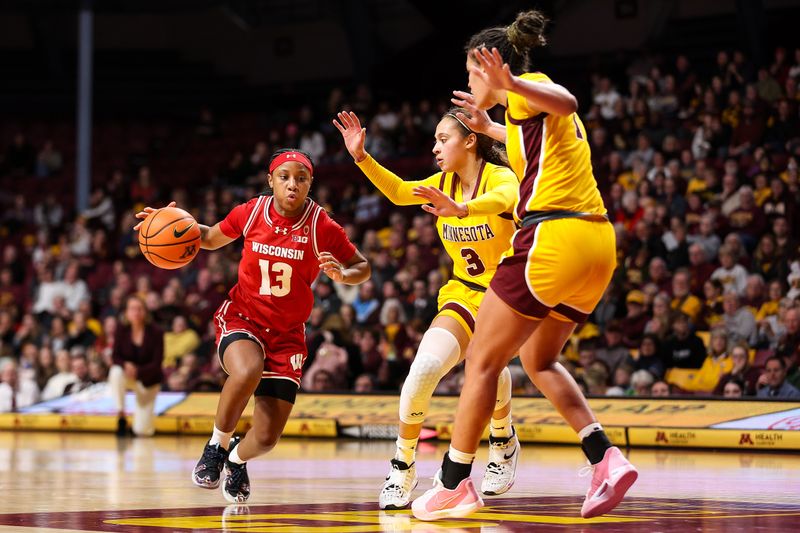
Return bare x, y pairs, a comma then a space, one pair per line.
515, 41
527, 31
488, 149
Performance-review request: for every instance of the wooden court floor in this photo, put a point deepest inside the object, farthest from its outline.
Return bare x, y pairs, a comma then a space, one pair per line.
96, 482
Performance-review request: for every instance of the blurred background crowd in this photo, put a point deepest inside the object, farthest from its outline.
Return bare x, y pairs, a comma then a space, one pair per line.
697, 161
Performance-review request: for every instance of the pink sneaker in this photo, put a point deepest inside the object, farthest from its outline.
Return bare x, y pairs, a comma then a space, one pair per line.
439, 502
611, 479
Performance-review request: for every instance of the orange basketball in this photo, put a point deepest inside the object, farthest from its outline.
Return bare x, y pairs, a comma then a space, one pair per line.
169, 237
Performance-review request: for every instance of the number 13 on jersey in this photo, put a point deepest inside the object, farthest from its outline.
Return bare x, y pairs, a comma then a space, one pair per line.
282, 277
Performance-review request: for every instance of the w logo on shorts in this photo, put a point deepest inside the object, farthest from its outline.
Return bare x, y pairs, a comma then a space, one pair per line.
296, 361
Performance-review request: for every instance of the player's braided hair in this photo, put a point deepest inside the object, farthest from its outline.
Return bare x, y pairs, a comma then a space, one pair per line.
489, 150
515, 41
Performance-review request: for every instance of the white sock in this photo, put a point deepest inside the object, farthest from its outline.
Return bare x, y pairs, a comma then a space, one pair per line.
234, 457
460, 457
406, 450
588, 430
500, 428
221, 438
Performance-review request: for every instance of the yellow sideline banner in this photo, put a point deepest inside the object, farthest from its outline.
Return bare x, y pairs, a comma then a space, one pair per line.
714, 438
662, 422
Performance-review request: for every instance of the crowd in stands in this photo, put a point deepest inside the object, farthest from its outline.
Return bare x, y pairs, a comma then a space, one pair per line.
698, 165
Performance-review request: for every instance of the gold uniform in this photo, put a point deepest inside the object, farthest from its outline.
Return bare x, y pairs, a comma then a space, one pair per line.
474, 242
561, 260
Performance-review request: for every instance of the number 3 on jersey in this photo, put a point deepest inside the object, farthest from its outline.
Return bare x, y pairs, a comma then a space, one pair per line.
475, 266
283, 278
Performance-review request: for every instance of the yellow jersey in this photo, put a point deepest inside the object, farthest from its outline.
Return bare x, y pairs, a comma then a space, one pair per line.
550, 156
475, 242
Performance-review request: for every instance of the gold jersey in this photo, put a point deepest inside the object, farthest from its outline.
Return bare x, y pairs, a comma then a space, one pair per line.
550, 156
476, 241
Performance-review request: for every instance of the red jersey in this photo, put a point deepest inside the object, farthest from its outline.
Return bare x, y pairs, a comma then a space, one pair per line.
280, 259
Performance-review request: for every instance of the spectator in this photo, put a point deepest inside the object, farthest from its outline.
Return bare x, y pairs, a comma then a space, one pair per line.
366, 304
47, 291
772, 383
313, 142
622, 380
754, 293
706, 237
765, 262
641, 381
748, 219
57, 385
79, 334
138, 355
325, 296
739, 321
789, 342
660, 324
607, 98
370, 354
741, 370
364, 383
101, 210
649, 357
700, 269
734, 388
330, 360
16, 392
660, 389
179, 341
612, 352
748, 133
732, 275
635, 321
80, 369
683, 349
45, 367
683, 300
716, 364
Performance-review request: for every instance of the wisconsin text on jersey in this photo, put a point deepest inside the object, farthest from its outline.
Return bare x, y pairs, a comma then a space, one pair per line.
481, 232
278, 251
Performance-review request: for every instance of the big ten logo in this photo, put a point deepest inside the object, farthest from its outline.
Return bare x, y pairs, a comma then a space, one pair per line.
746, 439
189, 251
296, 361
300, 238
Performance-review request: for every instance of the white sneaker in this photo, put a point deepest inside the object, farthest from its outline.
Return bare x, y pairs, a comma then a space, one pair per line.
502, 468
396, 491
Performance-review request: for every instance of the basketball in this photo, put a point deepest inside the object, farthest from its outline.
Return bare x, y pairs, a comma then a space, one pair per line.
169, 238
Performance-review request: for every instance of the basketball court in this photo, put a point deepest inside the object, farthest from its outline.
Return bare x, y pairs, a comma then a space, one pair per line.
97, 482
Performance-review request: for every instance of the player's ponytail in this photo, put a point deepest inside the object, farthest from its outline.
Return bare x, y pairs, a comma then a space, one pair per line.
488, 149
515, 41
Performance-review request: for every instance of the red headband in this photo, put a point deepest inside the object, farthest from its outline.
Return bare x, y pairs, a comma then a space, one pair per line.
297, 157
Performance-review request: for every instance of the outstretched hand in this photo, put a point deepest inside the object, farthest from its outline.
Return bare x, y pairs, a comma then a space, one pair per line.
441, 204
493, 70
479, 122
353, 134
143, 214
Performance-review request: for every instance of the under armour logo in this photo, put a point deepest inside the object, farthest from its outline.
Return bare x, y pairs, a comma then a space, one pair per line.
293, 156
282, 230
